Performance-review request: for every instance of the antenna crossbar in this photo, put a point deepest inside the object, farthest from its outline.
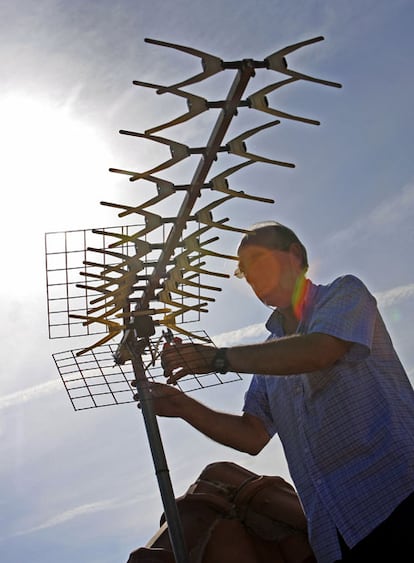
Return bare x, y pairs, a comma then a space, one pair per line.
235, 94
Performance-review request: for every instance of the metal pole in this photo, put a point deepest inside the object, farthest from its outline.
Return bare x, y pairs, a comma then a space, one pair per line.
158, 455
245, 72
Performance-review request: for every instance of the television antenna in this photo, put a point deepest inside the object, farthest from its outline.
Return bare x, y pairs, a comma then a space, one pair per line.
142, 283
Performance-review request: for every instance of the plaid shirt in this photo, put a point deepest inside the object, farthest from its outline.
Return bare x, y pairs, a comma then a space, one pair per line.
347, 431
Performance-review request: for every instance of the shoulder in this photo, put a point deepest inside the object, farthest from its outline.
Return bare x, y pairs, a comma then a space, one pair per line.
347, 283
343, 293
347, 280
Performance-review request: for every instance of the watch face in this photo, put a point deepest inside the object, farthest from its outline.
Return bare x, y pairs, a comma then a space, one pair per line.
220, 361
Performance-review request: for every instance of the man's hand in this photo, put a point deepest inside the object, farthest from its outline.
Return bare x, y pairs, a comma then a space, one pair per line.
179, 360
167, 401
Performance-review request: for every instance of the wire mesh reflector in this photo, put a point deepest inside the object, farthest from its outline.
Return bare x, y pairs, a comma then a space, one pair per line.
94, 380
74, 264
65, 253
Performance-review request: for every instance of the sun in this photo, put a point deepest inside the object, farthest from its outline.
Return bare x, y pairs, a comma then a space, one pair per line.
49, 155
54, 168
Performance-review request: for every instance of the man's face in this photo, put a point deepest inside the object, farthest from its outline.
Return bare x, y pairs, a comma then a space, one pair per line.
271, 273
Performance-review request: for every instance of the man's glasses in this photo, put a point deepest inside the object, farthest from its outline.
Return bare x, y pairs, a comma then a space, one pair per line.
256, 261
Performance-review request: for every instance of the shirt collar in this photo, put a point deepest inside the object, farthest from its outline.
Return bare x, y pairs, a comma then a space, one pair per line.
275, 321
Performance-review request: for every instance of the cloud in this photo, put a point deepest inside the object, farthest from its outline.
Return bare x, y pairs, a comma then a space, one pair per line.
34, 392
80, 510
389, 213
243, 335
394, 209
395, 295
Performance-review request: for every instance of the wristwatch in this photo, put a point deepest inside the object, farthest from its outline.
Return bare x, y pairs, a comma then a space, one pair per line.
220, 362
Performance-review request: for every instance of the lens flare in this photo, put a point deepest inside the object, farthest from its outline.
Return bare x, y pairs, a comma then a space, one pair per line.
299, 296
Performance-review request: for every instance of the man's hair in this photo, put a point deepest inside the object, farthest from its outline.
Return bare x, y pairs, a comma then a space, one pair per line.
273, 235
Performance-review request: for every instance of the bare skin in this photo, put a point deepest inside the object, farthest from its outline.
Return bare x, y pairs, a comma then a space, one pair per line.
244, 432
274, 276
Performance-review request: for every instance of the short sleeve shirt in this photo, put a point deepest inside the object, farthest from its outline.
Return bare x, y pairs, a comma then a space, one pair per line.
347, 431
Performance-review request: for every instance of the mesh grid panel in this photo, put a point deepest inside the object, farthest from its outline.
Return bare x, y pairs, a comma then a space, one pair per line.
95, 380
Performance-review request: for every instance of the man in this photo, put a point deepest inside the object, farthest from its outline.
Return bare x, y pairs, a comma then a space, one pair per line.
330, 384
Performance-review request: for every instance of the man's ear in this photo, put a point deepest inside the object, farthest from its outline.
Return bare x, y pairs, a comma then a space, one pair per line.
296, 250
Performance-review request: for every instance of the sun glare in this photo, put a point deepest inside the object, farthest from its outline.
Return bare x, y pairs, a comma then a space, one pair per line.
54, 167
53, 161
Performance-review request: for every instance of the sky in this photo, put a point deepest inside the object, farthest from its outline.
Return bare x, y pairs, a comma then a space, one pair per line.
80, 486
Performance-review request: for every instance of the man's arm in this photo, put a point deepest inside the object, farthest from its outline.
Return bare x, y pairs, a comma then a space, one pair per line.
285, 356
289, 355
245, 432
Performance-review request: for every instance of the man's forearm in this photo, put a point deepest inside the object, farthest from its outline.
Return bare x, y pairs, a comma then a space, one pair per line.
282, 356
287, 356
230, 430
